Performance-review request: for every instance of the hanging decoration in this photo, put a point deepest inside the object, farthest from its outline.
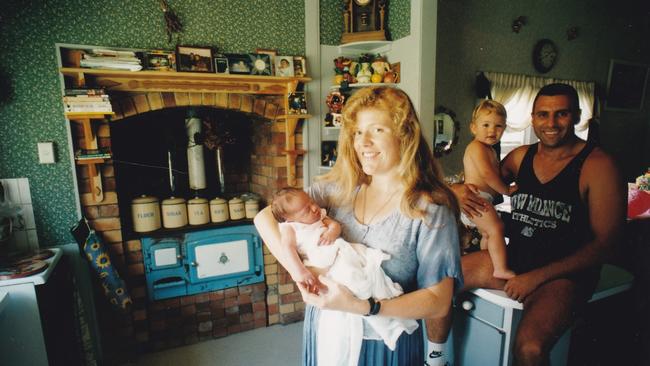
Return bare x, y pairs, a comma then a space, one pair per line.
572, 33
518, 23
172, 23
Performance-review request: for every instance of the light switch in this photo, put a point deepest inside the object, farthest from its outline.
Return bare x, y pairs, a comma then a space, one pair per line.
46, 152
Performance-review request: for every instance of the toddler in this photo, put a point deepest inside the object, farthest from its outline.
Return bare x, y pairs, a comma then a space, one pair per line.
481, 166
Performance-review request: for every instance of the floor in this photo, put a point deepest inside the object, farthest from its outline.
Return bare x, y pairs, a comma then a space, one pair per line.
275, 345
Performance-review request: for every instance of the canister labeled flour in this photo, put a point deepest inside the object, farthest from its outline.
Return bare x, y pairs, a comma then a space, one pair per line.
236, 208
146, 214
218, 210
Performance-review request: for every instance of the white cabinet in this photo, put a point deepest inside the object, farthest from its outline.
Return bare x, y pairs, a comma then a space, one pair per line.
485, 322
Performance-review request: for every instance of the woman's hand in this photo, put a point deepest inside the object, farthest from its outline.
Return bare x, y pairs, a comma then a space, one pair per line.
334, 296
470, 202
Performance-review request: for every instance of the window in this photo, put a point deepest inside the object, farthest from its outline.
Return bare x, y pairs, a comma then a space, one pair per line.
517, 92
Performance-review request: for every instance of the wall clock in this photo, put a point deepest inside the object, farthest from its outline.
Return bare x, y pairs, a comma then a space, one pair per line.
544, 55
364, 20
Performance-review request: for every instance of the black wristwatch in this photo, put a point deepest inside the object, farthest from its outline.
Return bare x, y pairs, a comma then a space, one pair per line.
374, 307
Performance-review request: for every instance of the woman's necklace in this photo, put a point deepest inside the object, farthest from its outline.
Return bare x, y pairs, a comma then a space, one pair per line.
363, 214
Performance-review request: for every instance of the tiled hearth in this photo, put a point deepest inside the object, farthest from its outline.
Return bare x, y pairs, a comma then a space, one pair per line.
152, 325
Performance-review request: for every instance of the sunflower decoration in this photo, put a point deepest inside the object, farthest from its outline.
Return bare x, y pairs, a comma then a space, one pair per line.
95, 246
103, 261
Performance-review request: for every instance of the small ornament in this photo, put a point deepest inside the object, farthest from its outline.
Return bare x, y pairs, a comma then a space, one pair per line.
172, 23
572, 33
518, 23
335, 101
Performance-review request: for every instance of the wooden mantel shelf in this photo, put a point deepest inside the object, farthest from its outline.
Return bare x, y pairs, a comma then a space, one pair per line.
169, 81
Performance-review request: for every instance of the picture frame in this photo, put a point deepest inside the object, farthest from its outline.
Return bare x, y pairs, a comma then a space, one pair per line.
221, 64
299, 66
284, 66
626, 85
328, 153
297, 103
194, 59
272, 53
239, 63
260, 64
159, 60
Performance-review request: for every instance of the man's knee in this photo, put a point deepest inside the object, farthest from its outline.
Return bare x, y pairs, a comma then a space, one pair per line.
529, 351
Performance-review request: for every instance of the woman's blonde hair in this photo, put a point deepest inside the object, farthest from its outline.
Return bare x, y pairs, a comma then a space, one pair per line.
489, 106
420, 173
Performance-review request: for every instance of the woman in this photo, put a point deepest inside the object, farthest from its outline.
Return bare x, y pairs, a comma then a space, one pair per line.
387, 192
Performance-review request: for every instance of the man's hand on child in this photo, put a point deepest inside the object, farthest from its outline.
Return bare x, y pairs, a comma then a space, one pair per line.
470, 202
512, 189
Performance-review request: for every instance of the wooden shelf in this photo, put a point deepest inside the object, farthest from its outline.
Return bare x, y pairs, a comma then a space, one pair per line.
88, 115
294, 116
90, 161
169, 81
365, 47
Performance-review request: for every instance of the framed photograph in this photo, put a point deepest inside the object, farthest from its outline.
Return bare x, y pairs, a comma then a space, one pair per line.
299, 66
272, 53
328, 153
194, 59
159, 60
239, 63
284, 66
221, 64
297, 103
626, 86
260, 64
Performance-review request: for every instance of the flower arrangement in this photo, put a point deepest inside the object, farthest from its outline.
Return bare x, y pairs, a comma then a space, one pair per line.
638, 197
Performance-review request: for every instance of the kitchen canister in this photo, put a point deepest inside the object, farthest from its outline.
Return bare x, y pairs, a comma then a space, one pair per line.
198, 211
252, 207
146, 214
174, 213
236, 209
218, 210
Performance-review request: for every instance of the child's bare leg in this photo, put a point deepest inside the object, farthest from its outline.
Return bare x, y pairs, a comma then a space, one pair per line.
491, 224
484, 240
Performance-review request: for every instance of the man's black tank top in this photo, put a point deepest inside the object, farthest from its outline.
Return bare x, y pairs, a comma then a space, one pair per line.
548, 221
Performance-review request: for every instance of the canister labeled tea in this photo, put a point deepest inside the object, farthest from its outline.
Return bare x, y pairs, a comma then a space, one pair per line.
218, 210
198, 211
236, 209
174, 213
146, 214
252, 207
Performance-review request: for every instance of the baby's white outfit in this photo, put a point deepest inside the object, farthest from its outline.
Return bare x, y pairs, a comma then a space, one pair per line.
357, 267
466, 220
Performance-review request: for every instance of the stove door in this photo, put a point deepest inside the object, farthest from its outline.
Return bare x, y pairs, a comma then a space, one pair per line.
224, 260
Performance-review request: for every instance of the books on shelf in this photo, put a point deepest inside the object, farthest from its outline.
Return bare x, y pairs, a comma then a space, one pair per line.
86, 100
103, 153
111, 59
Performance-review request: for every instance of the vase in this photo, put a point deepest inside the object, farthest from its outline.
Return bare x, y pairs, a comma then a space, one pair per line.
364, 74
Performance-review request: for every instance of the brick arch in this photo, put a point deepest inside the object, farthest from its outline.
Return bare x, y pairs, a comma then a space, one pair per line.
132, 104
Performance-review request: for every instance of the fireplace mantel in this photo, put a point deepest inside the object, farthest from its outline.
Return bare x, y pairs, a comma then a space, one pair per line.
137, 82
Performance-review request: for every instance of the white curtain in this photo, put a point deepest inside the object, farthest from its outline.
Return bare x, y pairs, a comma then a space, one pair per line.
517, 92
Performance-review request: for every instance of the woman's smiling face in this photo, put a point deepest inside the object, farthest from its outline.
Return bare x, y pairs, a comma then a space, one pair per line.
375, 142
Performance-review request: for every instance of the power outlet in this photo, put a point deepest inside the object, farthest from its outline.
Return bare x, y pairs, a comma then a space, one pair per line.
46, 153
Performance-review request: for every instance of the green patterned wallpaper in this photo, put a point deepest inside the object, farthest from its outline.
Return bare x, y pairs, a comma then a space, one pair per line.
331, 20
33, 111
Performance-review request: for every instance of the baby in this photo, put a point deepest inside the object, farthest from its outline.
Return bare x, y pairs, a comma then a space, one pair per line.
311, 239
481, 166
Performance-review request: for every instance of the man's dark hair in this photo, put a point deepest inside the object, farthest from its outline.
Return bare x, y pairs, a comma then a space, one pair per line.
552, 90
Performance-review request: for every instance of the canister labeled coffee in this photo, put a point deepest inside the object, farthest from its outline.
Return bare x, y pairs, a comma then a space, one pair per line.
236, 209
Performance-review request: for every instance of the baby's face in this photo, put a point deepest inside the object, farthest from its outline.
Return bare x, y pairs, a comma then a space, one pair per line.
488, 127
303, 209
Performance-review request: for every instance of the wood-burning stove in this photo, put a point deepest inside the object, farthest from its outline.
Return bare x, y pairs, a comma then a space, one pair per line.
199, 261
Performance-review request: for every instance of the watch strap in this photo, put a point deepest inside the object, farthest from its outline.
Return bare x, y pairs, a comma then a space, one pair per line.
374, 306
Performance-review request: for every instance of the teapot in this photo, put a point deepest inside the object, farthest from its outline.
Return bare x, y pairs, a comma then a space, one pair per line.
391, 76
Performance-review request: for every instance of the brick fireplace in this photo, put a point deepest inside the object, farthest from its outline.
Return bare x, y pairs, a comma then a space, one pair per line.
154, 325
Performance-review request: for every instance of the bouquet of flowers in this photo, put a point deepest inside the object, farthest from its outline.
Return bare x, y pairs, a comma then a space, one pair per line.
638, 197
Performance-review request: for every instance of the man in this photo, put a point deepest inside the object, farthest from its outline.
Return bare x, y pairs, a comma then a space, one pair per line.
566, 217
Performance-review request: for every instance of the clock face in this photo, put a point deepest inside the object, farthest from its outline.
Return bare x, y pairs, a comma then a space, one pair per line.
544, 55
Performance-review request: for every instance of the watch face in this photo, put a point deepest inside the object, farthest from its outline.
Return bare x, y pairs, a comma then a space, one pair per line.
362, 2
544, 55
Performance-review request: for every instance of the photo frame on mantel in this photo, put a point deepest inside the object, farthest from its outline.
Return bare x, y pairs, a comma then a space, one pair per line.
626, 86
